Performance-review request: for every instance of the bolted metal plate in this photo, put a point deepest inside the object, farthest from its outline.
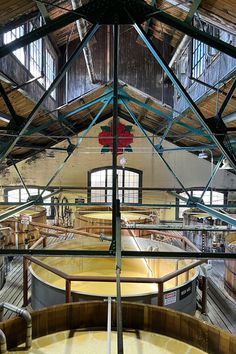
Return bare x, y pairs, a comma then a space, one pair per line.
114, 11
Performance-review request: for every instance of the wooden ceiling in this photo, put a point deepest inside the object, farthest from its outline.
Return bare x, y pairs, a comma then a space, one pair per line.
16, 10
46, 131
222, 12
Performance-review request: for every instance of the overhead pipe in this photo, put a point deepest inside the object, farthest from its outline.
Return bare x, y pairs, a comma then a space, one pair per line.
82, 26
3, 343
179, 49
25, 315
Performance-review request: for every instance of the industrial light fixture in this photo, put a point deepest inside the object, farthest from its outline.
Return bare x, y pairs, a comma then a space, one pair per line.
226, 165
202, 155
123, 161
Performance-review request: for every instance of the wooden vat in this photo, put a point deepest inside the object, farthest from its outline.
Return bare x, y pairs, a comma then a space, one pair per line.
98, 219
48, 288
92, 316
38, 214
230, 265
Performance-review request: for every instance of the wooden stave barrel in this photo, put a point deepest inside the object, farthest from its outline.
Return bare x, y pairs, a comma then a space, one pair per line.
104, 225
93, 316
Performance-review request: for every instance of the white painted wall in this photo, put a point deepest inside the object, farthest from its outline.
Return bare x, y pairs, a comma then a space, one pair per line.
192, 171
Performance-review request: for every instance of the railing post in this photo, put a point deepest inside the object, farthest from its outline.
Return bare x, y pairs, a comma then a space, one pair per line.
68, 291
160, 300
25, 281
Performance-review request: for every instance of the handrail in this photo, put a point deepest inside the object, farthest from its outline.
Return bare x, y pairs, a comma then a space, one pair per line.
25, 315
3, 343
69, 278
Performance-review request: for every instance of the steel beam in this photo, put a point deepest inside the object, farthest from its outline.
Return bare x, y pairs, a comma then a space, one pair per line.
226, 101
154, 146
194, 32
20, 176
76, 146
168, 117
214, 172
47, 93
86, 105
38, 33
8, 104
165, 133
152, 205
115, 121
124, 254
157, 55
192, 148
215, 213
9, 213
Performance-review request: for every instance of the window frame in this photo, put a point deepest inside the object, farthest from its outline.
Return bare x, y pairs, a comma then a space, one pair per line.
46, 46
123, 189
49, 213
191, 192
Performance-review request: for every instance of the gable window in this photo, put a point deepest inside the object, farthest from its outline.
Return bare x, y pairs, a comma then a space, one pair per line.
129, 185
10, 36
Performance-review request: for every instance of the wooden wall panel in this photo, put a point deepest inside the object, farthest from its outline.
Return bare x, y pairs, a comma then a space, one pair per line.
137, 67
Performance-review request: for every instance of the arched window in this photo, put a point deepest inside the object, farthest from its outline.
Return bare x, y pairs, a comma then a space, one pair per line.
129, 185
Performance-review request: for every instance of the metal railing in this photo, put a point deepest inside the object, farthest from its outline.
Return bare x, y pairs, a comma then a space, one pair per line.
111, 279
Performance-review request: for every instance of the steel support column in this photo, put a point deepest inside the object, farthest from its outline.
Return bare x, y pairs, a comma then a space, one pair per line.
116, 234
47, 93
157, 55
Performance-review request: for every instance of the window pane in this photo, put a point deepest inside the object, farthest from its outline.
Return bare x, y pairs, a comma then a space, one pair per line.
50, 71
13, 195
97, 196
11, 36
98, 179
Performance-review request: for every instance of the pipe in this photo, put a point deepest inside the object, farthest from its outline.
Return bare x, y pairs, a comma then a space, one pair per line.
179, 49
25, 315
3, 343
105, 238
81, 26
